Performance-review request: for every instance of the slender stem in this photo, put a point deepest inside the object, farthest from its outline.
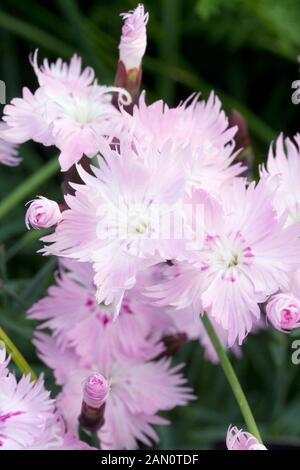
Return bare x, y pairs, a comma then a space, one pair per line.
232, 379
28, 186
17, 357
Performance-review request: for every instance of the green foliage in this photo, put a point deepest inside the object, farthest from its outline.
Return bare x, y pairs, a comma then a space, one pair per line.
269, 24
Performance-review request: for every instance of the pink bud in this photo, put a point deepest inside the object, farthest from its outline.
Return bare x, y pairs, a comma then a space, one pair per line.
95, 390
133, 41
237, 439
95, 393
42, 213
283, 311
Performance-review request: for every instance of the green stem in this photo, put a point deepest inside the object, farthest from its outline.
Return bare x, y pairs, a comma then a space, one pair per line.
232, 379
28, 187
17, 357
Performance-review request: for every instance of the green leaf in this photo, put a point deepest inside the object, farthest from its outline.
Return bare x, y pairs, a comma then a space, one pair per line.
36, 287
35, 35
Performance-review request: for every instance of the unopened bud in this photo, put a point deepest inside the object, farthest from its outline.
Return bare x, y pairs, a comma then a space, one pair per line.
42, 213
283, 311
132, 48
95, 393
133, 41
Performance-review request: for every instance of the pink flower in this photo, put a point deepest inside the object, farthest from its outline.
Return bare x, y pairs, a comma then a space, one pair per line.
283, 311
283, 168
68, 110
200, 125
116, 219
69, 76
8, 151
81, 119
55, 436
248, 255
26, 118
71, 312
25, 408
28, 420
133, 42
42, 213
138, 391
142, 390
197, 122
237, 439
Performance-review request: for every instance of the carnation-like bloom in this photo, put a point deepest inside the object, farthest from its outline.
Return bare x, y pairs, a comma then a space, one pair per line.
133, 42
138, 392
122, 218
68, 110
8, 151
71, 312
71, 76
26, 118
81, 119
283, 167
42, 213
28, 419
283, 311
247, 256
202, 126
237, 439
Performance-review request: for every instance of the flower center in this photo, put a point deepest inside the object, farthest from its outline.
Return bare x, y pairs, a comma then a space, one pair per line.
234, 260
227, 255
138, 225
104, 313
82, 112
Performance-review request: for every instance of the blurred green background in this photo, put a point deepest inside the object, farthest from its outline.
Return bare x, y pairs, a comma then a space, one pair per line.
247, 52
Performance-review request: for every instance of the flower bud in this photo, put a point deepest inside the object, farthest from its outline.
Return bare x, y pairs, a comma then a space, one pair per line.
42, 213
283, 311
133, 41
237, 439
95, 393
132, 48
95, 390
